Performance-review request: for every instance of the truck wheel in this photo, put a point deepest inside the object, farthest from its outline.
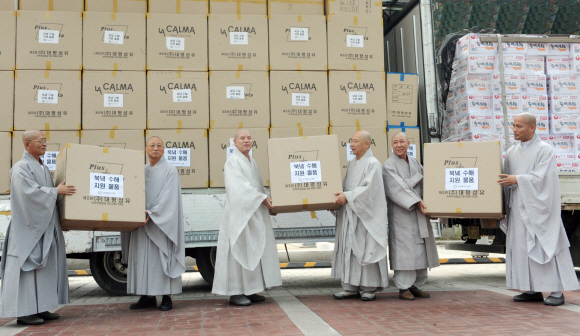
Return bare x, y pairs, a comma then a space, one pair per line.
205, 260
108, 272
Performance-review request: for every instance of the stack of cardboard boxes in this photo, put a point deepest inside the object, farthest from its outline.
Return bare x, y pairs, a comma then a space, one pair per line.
540, 78
7, 66
356, 77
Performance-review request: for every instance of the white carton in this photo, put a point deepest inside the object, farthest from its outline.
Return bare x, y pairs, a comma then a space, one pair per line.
564, 123
563, 84
563, 103
512, 64
514, 47
559, 49
557, 65
473, 84
471, 44
535, 65
576, 139
536, 48
568, 166
481, 137
575, 64
534, 84
513, 142
481, 64
513, 101
475, 123
534, 103
473, 104
563, 157
542, 123
512, 83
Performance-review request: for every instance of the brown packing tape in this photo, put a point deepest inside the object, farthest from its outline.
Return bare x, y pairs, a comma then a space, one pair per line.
79, 134
111, 134
459, 144
355, 20
357, 123
6, 213
106, 150
299, 68
114, 16
116, 66
46, 126
211, 122
299, 16
178, 131
113, 73
384, 75
385, 128
268, 182
105, 217
312, 214
205, 133
358, 75
179, 124
47, 134
115, 127
240, 125
79, 127
115, 6
47, 15
179, 74
238, 74
50, 5
210, 183
147, 123
458, 210
354, 67
304, 203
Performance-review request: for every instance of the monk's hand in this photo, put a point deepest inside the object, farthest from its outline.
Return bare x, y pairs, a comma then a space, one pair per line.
272, 213
423, 208
341, 199
507, 180
147, 220
63, 189
268, 203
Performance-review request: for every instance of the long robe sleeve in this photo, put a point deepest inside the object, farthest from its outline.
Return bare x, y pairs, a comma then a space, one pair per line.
398, 190
247, 238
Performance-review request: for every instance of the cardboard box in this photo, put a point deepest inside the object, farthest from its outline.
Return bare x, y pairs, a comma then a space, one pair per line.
564, 123
563, 84
471, 44
49, 40
512, 83
536, 84
475, 123
239, 99
562, 143
114, 41
474, 103
179, 6
476, 64
110, 188
445, 198
558, 65
354, 45
7, 99
293, 7
514, 47
364, 8
292, 132
177, 100
8, 45
177, 42
564, 103
55, 142
575, 64
414, 136
298, 98
536, 48
357, 98
535, 65
513, 101
379, 144
558, 49
534, 103
5, 142
298, 42
473, 84
402, 99
7, 5
114, 100
512, 64
308, 173
238, 42
219, 142
116, 6
47, 100
52, 5
568, 166
188, 151
255, 7
124, 139
542, 123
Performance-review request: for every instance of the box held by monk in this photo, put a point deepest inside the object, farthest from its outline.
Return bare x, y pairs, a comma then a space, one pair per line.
460, 179
308, 173
110, 188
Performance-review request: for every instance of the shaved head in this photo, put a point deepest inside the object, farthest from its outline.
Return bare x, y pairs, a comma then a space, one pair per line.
30, 135
360, 143
528, 118
398, 135
364, 136
153, 137
524, 127
240, 132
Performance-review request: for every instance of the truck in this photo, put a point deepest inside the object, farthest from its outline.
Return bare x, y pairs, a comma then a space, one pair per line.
414, 33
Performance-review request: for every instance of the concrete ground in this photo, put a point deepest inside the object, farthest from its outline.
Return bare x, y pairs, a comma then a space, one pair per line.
465, 300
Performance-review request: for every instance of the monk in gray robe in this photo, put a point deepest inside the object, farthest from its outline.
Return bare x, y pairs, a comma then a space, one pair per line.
156, 250
538, 252
360, 249
34, 272
247, 259
412, 247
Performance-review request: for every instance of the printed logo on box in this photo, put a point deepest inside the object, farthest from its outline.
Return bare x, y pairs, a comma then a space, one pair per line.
178, 157
307, 171
106, 185
175, 43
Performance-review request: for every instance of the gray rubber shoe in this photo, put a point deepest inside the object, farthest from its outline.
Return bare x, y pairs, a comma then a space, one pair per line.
48, 316
368, 297
256, 298
30, 320
525, 297
240, 300
554, 301
346, 295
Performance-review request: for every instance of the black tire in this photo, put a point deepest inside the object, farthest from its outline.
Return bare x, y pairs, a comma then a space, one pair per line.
205, 260
108, 272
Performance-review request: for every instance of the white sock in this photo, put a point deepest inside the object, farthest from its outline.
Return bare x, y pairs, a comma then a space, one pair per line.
530, 292
556, 294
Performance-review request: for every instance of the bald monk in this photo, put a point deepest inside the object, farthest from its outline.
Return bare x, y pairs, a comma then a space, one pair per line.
412, 248
247, 259
34, 272
156, 251
538, 252
360, 250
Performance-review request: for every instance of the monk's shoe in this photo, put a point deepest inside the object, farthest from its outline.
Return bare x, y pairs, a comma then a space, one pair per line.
166, 303
346, 295
256, 298
240, 300
144, 302
406, 295
48, 316
368, 297
525, 297
554, 301
29, 320
419, 293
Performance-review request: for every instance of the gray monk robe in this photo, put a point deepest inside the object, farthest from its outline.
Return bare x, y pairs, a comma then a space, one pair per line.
411, 242
360, 250
156, 257
538, 252
34, 272
247, 259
